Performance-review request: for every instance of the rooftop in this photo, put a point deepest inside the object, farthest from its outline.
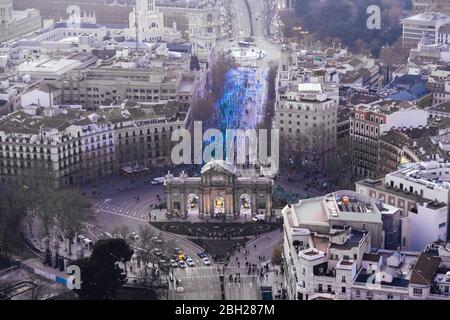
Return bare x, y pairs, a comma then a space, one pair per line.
432, 174
425, 269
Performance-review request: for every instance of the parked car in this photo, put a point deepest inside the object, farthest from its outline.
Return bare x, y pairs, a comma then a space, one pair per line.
206, 261
190, 262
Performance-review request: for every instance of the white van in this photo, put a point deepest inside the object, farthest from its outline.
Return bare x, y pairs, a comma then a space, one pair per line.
159, 180
259, 217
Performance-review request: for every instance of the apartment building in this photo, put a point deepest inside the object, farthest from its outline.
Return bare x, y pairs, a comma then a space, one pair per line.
421, 6
414, 28
421, 193
369, 122
112, 82
307, 119
77, 146
341, 263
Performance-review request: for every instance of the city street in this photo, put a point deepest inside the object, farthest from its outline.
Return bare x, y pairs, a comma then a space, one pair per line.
129, 202
196, 283
249, 286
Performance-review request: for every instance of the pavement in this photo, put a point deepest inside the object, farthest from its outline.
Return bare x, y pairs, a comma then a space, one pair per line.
248, 288
195, 283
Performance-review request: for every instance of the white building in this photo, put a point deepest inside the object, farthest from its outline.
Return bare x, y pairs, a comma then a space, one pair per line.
422, 193
146, 22
45, 96
14, 24
347, 209
427, 225
342, 264
55, 67
415, 26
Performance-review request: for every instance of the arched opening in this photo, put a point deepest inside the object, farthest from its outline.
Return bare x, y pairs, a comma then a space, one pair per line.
219, 206
245, 204
193, 204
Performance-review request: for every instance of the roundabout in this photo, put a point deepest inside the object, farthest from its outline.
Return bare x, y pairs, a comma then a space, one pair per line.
215, 230
247, 54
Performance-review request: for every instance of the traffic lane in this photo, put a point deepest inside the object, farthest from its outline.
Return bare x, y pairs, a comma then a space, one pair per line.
108, 222
243, 18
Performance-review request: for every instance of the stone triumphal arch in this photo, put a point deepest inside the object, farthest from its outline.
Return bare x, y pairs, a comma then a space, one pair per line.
219, 193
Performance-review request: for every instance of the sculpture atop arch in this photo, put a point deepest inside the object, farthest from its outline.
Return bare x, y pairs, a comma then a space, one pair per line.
221, 193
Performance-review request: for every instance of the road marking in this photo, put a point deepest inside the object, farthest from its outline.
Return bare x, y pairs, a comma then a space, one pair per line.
121, 215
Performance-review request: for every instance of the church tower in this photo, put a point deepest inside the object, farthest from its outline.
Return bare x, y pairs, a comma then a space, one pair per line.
145, 5
6, 11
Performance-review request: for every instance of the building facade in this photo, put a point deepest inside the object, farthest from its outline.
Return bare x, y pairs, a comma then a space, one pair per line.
369, 122
416, 26
14, 24
219, 193
307, 119
75, 146
341, 263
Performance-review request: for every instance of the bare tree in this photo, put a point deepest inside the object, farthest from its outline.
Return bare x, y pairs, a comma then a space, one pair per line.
73, 211
12, 212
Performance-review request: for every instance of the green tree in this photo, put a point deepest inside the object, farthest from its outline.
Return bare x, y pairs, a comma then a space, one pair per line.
101, 273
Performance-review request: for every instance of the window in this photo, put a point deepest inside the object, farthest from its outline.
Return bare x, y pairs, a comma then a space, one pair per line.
390, 296
417, 291
344, 289
343, 278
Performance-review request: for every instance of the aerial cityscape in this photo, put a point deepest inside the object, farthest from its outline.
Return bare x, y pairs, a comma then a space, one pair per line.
208, 150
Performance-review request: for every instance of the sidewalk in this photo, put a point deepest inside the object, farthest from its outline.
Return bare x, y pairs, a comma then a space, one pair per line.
273, 280
60, 246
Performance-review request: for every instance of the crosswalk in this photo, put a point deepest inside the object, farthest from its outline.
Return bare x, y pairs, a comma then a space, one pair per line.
110, 208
